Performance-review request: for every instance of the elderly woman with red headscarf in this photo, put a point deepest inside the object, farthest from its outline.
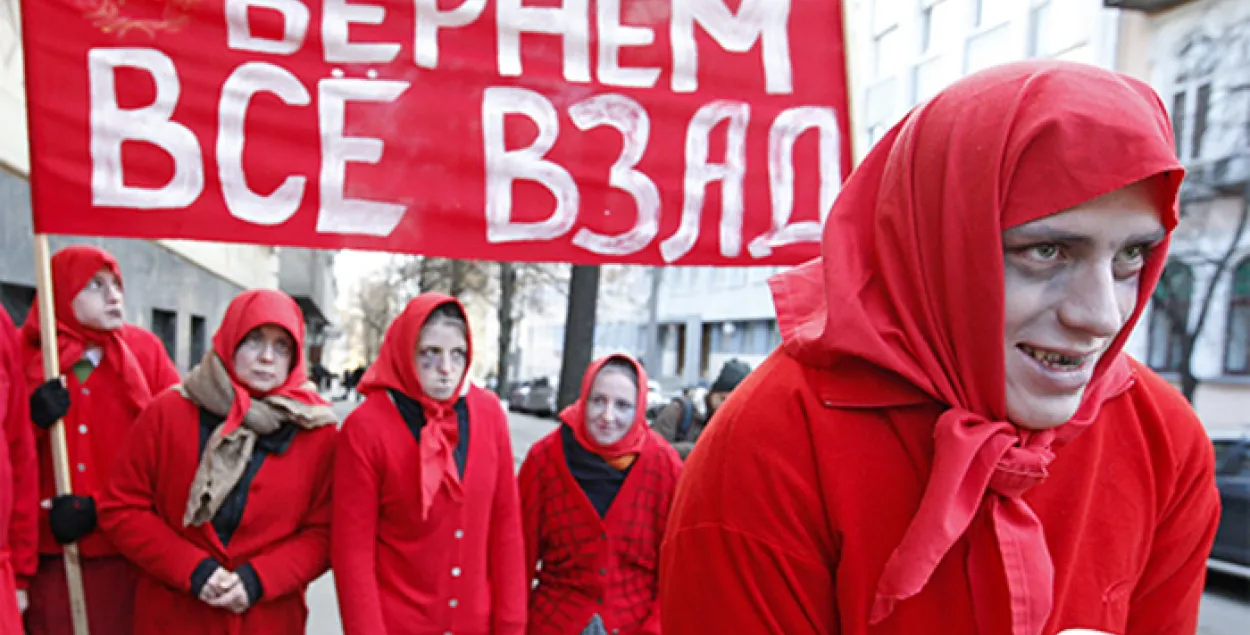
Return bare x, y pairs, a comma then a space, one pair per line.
221, 495
426, 537
951, 438
595, 495
110, 371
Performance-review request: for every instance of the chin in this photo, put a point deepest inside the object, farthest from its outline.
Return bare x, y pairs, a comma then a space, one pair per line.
1042, 416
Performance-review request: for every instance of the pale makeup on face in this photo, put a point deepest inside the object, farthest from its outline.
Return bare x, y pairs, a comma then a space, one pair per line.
441, 358
611, 406
1070, 285
262, 360
99, 305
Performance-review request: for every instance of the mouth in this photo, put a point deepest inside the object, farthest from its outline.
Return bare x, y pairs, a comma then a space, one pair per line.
1058, 361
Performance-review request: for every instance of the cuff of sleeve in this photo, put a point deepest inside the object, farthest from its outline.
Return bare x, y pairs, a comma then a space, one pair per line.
22, 582
251, 582
201, 574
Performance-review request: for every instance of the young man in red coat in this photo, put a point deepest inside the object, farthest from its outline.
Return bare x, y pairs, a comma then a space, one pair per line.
951, 438
595, 495
426, 536
221, 495
19, 490
110, 372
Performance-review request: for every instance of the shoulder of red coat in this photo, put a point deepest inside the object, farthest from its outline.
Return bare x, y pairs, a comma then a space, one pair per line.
1163, 415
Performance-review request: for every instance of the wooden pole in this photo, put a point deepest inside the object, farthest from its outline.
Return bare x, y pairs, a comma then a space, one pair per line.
60, 452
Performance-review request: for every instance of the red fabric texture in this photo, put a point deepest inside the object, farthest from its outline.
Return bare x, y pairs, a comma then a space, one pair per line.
19, 503
72, 268
395, 369
915, 239
608, 565
574, 416
785, 516
250, 310
401, 572
108, 586
284, 532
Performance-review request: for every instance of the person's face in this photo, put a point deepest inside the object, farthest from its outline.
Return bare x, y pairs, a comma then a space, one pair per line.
442, 355
714, 400
1070, 285
611, 406
99, 305
263, 359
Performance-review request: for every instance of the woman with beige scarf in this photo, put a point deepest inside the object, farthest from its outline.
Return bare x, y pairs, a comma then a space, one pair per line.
221, 495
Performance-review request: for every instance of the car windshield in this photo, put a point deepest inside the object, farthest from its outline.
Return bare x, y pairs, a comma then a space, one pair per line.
1224, 449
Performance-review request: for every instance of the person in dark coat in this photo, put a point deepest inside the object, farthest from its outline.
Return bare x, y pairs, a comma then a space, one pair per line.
681, 422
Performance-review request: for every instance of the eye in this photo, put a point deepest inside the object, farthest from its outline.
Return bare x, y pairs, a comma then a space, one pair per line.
1044, 251
95, 284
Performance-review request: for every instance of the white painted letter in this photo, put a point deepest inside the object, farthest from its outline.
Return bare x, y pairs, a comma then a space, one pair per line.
699, 173
337, 16
239, 31
787, 129
236, 93
630, 119
572, 21
351, 215
430, 20
765, 20
111, 126
503, 166
612, 38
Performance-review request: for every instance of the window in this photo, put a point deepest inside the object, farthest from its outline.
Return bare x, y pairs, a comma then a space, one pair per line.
1202, 102
989, 48
1169, 317
1039, 29
199, 339
988, 13
1238, 355
887, 53
1178, 121
165, 326
939, 25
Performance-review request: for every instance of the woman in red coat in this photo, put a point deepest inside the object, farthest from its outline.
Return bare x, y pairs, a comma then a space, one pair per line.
110, 372
19, 492
426, 536
595, 496
221, 495
950, 438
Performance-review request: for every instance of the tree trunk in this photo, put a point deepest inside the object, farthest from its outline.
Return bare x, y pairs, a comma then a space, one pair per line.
423, 275
456, 288
507, 289
579, 332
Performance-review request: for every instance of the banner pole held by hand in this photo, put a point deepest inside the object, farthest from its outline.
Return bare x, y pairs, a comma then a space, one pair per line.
60, 452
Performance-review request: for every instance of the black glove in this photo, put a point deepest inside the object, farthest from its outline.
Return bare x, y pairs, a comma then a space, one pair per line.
71, 518
49, 403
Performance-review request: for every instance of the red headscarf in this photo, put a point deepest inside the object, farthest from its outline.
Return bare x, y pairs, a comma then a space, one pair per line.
72, 268
396, 370
906, 303
247, 311
574, 416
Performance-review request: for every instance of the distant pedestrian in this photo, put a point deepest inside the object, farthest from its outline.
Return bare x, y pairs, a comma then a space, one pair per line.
595, 495
221, 495
681, 422
110, 371
427, 527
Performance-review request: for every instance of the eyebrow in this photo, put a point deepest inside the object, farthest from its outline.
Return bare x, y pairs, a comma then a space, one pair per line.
1049, 234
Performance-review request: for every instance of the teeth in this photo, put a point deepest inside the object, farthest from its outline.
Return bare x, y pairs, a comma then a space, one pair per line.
1052, 359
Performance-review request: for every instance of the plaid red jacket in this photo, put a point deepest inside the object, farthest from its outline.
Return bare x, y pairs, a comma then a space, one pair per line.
589, 565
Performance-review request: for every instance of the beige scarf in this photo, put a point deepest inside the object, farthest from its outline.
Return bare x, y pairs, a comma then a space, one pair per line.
226, 457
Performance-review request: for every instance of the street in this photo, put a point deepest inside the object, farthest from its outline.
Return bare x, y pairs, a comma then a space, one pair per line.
1225, 605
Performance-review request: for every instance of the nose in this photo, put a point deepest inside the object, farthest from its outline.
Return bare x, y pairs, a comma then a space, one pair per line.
112, 293
1091, 304
267, 352
444, 364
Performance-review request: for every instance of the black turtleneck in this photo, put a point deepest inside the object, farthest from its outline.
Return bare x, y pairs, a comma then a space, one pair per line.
600, 481
414, 416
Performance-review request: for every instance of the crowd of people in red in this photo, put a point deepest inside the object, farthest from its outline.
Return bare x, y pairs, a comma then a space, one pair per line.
949, 439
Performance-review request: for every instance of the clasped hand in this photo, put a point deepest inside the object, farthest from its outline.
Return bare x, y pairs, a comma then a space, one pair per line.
225, 590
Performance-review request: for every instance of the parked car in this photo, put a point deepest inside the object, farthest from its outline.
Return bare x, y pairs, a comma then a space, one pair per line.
517, 392
1231, 552
540, 399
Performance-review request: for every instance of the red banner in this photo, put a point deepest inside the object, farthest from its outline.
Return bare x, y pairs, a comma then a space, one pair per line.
640, 131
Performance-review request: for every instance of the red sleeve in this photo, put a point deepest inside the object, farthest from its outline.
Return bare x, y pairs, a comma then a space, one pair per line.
354, 528
290, 565
531, 512
127, 505
23, 538
509, 591
1169, 590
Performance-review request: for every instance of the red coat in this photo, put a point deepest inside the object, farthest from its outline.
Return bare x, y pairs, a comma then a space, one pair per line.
789, 509
18, 489
284, 532
95, 428
590, 565
460, 571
